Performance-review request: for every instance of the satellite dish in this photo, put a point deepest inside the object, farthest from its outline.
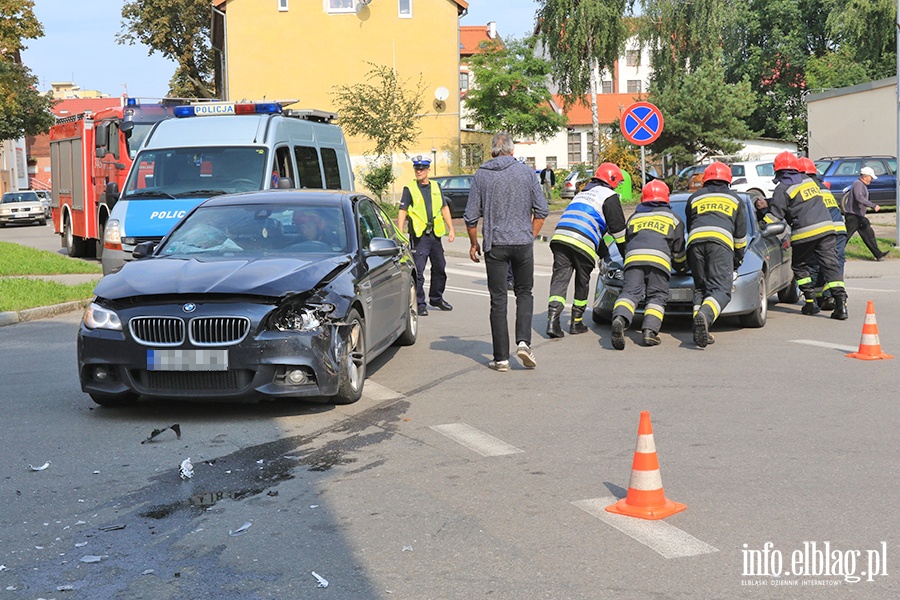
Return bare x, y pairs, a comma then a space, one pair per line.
441, 94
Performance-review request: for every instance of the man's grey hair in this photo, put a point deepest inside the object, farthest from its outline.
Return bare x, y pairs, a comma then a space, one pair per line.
502, 145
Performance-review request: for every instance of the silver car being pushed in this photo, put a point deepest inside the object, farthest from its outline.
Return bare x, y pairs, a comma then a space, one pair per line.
765, 271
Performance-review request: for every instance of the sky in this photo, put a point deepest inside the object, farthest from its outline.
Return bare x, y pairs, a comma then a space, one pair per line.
79, 44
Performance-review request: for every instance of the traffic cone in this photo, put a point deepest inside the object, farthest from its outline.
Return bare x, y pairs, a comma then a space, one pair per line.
646, 498
869, 346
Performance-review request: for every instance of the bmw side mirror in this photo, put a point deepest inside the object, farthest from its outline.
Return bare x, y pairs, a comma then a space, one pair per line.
774, 228
143, 250
382, 247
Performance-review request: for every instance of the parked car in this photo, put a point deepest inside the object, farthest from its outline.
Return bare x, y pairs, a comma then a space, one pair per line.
21, 207
689, 179
44, 196
755, 178
766, 270
456, 190
841, 171
573, 183
275, 294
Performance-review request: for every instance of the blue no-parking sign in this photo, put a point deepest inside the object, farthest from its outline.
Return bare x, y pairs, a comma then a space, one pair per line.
642, 123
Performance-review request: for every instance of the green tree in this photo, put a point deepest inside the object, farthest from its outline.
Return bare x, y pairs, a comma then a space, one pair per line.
23, 110
834, 70
703, 113
510, 91
867, 31
179, 30
582, 38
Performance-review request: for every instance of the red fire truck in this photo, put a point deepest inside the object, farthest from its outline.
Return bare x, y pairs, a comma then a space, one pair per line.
90, 155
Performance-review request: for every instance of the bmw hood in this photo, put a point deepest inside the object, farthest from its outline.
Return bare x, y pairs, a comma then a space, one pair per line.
273, 277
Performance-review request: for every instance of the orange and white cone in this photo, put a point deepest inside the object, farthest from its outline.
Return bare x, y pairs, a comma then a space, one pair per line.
869, 344
646, 498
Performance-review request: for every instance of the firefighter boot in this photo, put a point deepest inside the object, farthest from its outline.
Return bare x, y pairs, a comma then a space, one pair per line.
810, 307
554, 330
840, 308
576, 324
651, 338
826, 302
618, 333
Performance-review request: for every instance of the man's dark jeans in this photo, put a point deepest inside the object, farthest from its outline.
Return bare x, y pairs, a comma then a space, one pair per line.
498, 262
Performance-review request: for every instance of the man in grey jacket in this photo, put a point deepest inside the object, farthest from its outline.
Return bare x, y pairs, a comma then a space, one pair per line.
507, 194
857, 202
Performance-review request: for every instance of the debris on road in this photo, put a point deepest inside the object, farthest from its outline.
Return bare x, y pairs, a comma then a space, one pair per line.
111, 527
65, 588
174, 427
240, 530
147, 572
187, 468
91, 558
323, 583
43, 467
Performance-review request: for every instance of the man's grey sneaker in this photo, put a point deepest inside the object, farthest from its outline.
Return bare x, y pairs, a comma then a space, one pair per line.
526, 355
618, 333
499, 365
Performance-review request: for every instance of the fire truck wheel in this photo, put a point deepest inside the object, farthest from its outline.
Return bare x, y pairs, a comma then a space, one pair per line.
75, 246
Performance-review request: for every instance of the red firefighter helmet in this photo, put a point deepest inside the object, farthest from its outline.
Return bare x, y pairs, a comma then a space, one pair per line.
610, 174
807, 166
718, 171
786, 160
655, 191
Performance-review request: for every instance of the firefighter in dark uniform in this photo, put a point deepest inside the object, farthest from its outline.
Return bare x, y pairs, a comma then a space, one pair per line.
823, 297
654, 244
798, 200
716, 223
578, 241
430, 220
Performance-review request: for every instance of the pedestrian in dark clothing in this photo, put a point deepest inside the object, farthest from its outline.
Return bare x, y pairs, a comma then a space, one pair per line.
798, 201
654, 244
507, 195
717, 239
548, 181
429, 215
855, 212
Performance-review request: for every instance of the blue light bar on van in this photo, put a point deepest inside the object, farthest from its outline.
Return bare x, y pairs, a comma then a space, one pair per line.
206, 109
131, 102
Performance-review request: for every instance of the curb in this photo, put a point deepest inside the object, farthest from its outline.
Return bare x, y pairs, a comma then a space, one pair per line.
41, 312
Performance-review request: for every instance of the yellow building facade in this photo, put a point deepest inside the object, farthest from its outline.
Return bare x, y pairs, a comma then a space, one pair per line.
305, 49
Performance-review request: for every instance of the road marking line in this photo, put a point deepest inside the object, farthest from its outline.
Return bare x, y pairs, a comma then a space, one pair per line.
665, 539
476, 440
840, 347
856, 289
379, 393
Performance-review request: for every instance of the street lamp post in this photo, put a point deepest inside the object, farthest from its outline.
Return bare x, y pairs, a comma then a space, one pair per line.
434, 154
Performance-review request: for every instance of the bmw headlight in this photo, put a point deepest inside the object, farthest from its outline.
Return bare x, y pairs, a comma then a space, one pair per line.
97, 317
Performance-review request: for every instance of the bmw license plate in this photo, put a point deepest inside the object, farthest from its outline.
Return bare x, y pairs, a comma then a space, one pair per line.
187, 360
681, 295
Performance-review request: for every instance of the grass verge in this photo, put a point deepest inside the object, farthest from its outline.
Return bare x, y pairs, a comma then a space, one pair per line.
856, 249
21, 260
19, 293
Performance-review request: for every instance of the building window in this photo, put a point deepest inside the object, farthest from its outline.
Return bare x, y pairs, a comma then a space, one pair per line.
471, 155
551, 162
529, 160
335, 6
632, 58
463, 82
634, 86
283, 5
405, 9
606, 87
574, 147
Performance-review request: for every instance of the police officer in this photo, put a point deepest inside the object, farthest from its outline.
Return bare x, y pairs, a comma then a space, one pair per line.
429, 215
654, 243
798, 200
717, 239
824, 298
576, 244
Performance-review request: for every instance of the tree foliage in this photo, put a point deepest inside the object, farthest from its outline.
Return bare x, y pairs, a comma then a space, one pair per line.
510, 91
384, 110
867, 31
17, 23
179, 30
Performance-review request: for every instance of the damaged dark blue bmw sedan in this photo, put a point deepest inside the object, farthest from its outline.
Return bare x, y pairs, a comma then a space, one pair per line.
273, 294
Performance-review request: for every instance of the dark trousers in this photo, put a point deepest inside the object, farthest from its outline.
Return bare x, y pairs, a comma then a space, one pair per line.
640, 282
498, 260
856, 223
712, 266
816, 274
429, 247
824, 251
567, 259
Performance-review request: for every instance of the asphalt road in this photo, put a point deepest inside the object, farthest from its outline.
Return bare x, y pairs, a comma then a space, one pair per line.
449, 480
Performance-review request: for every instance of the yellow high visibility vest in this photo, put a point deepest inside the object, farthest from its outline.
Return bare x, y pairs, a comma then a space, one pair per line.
418, 214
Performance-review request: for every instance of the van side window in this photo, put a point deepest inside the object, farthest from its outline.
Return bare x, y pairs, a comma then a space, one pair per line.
308, 173
332, 171
284, 165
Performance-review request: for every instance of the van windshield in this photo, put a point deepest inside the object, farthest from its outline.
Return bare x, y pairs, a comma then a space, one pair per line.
190, 172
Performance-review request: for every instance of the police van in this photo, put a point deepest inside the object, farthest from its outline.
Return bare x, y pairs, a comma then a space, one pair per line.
214, 148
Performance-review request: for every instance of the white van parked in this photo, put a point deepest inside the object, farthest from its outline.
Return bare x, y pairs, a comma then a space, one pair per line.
215, 148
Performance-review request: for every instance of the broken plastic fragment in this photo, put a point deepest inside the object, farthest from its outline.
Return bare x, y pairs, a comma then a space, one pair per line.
91, 558
43, 467
65, 588
80, 544
147, 572
323, 583
407, 549
240, 530
10, 588
175, 427
2, 567
187, 469
111, 527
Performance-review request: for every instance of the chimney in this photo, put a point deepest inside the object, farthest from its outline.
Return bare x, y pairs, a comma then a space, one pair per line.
492, 30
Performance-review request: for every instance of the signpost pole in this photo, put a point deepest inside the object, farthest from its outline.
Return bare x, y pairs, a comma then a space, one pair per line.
643, 167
